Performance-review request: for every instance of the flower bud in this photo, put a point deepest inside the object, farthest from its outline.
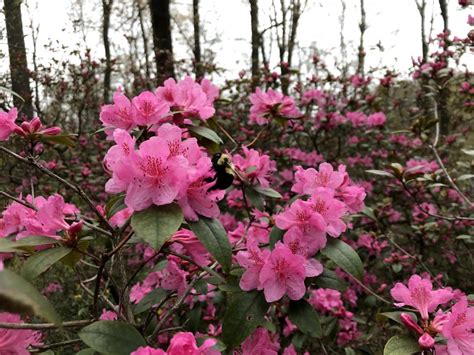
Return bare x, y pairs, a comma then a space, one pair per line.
426, 341
35, 124
51, 131
408, 321
25, 126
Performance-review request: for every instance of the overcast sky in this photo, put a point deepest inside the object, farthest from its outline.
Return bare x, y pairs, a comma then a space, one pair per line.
392, 23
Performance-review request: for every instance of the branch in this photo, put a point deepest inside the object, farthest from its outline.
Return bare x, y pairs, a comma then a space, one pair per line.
43, 326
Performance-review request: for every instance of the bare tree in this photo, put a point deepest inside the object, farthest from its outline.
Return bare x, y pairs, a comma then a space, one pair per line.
342, 41
361, 50
421, 6
107, 9
162, 39
255, 41
140, 8
20, 76
198, 67
443, 5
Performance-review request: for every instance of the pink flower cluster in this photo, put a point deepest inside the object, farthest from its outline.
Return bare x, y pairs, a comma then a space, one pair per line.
456, 326
254, 166
164, 168
16, 341
271, 104
359, 119
45, 217
181, 343
171, 102
34, 127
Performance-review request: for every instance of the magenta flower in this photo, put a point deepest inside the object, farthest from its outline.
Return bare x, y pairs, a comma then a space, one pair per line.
253, 260
173, 278
16, 341
283, 273
271, 104
459, 329
184, 343
310, 180
331, 210
117, 115
420, 295
147, 109
254, 166
7, 123
301, 215
191, 245
260, 342
147, 350
376, 119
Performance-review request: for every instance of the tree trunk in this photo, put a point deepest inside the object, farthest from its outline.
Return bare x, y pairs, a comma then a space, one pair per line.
443, 4
161, 23
255, 42
107, 9
20, 76
424, 44
361, 50
145, 41
198, 68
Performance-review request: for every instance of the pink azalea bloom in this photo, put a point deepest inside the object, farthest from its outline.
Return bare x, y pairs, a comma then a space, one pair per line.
353, 197
254, 166
211, 91
147, 109
16, 341
270, 105
358, 119
108, 315
188, 97
253, 260
311, 180
313, 96
52, 287
7, 123
260, 343
117, 115
376, 119
422, 165
458, 329
188, 148
118, 219
300, 244
326, 299
147, 350
420, 295
331, 210
290, 350
283, 272
192, 246
184, 343
173, 278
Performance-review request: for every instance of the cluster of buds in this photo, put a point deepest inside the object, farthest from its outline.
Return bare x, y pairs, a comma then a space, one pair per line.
34, 128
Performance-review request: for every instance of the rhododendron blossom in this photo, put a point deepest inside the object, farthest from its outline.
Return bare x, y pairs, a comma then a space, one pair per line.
458, 329
16, 341
254, 166
7, 123
271, 104
260, 342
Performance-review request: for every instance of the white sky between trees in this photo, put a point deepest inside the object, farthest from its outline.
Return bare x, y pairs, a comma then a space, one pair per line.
395, 24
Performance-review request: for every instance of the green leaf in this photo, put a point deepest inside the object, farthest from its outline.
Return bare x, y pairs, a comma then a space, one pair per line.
401, 345
18, 296
269, 192
395, 316
344, 256
157, 224
112, 337
276, 234
303, 315
115, 204
255, 198
87, 351
3, 88
42, 260
213, 236
9, 246
245, 311
380, 173
151, 298
465, 177
329, 279
62, 139
206, 133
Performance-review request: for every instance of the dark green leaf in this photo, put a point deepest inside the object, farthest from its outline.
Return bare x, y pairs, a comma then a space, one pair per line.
245, 311
268, 192
62, 139
401, 345
151, 298
9, 246
276, 235
42, 260
380, 173
18, 296
206, 133
344, 256
395, 316
255, 198
329, 279
112, 337
115, 204
157, 224
303, 315
213, 236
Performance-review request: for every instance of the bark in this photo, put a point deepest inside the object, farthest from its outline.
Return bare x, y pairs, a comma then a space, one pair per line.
424, 44
107, 9
255, 41
144, 39
162, 39
20, 75
198, 67
361, 49
443, 4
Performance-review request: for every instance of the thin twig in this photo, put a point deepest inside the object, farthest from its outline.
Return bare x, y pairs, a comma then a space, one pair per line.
43, 326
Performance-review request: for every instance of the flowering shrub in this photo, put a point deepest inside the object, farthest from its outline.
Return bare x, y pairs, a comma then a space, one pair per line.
228, 221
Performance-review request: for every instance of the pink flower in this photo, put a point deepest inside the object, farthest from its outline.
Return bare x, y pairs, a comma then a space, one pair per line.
376, 119
331, 210
326, 299
108, 315
147, 350
147, 109
254, 166
253, 261
16, 341
426, 341
470, 20
290, 350
311, 180
174, 278
117, 115
271, 104
184, 343
420, 295
7, 123
191, 245
118, 219
358, 119
260, 343
35, 127
458, 329
283, 272
189, 98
